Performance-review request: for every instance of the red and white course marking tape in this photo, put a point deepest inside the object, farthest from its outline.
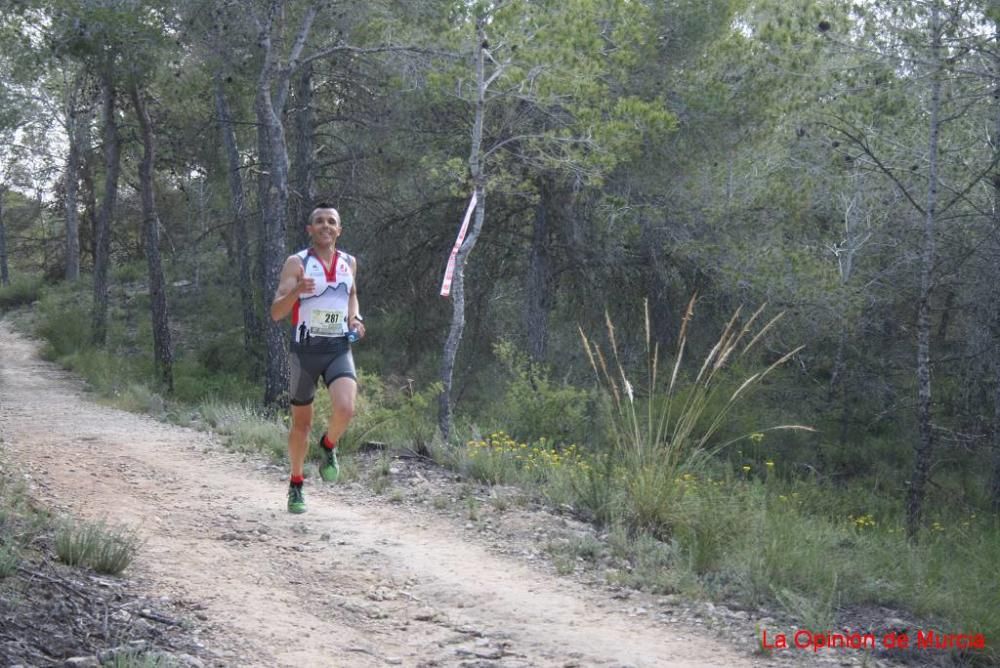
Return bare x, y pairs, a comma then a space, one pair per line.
449, 271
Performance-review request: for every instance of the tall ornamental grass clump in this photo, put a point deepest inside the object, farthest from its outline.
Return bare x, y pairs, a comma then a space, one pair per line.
664, 432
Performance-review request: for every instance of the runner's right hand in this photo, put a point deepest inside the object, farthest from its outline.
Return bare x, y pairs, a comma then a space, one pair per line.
304, 285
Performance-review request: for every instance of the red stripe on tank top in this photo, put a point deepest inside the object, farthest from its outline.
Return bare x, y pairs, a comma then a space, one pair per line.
331, 271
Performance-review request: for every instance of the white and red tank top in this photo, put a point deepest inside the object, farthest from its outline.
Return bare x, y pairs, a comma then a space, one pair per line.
321, 317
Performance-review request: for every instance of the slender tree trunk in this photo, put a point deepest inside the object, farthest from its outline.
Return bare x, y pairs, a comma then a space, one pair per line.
88, 228
252, 330
162, 347
657, 288
303, 194
272, 94
925, 445
445, 420
539, 283
263, 206
995, 302
102, 233
4, 269
995, 431
76, 126
273, 211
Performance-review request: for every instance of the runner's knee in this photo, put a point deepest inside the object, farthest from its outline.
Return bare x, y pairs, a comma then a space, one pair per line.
301, 420
344, 408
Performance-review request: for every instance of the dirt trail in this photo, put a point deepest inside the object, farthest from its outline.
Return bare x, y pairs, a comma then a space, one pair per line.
353, 582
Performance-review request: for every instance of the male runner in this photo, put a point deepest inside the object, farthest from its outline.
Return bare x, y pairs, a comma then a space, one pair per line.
318, 288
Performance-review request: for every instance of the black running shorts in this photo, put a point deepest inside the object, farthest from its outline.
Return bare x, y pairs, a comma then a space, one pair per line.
308, 367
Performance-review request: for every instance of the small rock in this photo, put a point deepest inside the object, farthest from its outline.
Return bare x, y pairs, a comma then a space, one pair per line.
425, 615
82, 662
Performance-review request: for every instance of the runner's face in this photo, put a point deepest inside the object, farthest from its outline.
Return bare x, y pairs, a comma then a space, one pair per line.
324, 226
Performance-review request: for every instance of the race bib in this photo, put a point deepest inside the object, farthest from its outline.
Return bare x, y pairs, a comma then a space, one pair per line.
327, 323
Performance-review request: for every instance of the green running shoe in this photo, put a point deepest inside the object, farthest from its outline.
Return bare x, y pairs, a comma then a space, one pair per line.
329, 470
296, 502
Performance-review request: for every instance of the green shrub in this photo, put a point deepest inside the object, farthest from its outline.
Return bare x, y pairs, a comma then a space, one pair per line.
395, 413
21, 291
654, 566
129, 272
139, 398
63, 319
137, 659
708, 516
9, 560
248, 429
595, 489
535, 407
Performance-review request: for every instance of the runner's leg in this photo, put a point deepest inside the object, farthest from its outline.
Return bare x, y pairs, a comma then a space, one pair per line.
343, 393
298, 438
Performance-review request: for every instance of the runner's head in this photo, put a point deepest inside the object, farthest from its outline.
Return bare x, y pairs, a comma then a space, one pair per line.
325, 208
324, 222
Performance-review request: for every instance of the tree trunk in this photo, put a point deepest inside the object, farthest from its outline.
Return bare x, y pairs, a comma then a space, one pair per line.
88, 227
273, 211
162, 348
263, 207
272, 94
102, 233
995, 431
539, 287
994, 303
4, 270
445, 420
925, 446
252, 330
657, 287
75, 127
303, 194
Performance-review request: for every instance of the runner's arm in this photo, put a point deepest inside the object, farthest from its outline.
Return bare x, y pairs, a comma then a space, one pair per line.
291, 283
353, 308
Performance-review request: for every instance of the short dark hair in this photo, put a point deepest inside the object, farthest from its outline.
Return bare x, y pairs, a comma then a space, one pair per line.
323, 204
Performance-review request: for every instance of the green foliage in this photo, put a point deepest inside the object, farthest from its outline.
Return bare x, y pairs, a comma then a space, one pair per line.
194, 382
105, 549
217, 368
20, 521
247, 428
654, 566
138, 659
395, 413
534, 406
63, 320
10, 558
22, 291
596, 492
139, 398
